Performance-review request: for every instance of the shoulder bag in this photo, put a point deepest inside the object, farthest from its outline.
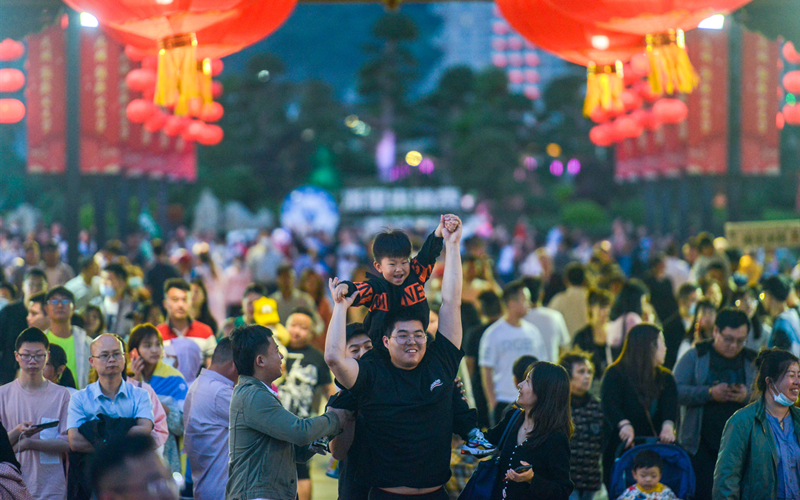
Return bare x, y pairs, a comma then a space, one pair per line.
481, 484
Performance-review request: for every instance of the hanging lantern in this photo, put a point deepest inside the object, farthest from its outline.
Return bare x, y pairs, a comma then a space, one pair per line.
627, 128
139, 110
11, 80
791, 114
155, 122
11, 50
780, 121
139, 80
631, 100
11, 111
791, 81
790, 54
211, 135
670, 110
602, 135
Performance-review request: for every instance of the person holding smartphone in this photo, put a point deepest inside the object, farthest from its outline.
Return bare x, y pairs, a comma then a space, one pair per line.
35, 412
714, 380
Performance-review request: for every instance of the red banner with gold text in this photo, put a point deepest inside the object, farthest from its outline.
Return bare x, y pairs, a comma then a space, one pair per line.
759, 106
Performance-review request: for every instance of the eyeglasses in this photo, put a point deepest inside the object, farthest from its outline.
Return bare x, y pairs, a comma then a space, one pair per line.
28, 357
63, 302
733, 341
418, 338
105, 357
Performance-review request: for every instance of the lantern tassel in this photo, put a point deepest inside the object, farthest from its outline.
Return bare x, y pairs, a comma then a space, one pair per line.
670, 68
604, 88
177, 73
204, 80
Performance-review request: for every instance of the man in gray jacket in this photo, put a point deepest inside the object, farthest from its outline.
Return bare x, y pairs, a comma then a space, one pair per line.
266, 440
714, 381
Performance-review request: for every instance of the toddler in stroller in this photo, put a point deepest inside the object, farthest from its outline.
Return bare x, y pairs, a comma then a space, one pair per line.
652, 471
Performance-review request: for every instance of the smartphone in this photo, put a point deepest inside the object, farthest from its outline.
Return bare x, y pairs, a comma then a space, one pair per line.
46, 425
522, 468
134, 354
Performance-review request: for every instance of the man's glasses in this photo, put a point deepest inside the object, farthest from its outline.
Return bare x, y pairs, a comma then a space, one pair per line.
733, 341
105, 357
56, 302
28, 357
418, 338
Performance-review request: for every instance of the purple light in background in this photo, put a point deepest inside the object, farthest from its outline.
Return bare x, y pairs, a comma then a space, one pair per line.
557, 168
519, 174
530, 163
426, 166
573, 166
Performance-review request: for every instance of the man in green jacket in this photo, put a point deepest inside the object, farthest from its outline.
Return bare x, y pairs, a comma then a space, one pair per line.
266, 440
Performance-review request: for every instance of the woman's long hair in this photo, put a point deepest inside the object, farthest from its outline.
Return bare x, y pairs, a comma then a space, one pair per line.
58, 358
702, 305
204, 315
629, 299
551, 413
773, 364
636, 361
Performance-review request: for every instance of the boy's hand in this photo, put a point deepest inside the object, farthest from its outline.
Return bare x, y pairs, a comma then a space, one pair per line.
338, 291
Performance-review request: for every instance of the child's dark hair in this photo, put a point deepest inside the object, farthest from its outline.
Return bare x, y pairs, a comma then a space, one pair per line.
521, 366
646, 459
392, 244
354, 329
772, 363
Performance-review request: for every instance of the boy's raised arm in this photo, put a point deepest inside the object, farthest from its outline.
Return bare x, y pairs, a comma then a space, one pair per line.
344, 368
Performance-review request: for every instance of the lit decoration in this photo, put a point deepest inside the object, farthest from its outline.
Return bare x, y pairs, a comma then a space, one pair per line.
573, 166
414, 158
670, 110
11, 111
557, 168
790, 54
530, 163
11, 50
11, 80
553, 150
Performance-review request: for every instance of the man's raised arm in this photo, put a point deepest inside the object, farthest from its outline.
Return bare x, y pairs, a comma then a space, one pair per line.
344, 368
450, 312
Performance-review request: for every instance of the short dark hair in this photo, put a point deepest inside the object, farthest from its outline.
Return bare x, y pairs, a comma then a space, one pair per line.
142, 332
178, 283
535, 286
353, 330
686, 289
511, 291
12, 290
35, 272
303, 310
223, 352
112, 457
402, 314
118, 270
85, 263
39, 298
599, 297
254, 288
575, 273
31, 335
522, 365
491, 306
779, 286
391, 243
285, 268
573, 358
51, 246
730, 317
158, 246
646, 459
248, 342
60, 290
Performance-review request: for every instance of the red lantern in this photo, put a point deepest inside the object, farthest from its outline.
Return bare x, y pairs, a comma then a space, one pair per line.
601, 135
216, 67
791, 113
627, 128
139, 110
11, 110
211, 135
155, 122
791, 81
140, 80
600, 115
640, 66
646, 91
175, 125
790, 54
670, 110
631, 100
11, 50
780, 121
135, 54
192, 132
11, 80
217, 89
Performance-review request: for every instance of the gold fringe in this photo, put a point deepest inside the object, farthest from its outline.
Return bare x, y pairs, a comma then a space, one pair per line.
671, 70
204, 80
604, 88
177, 72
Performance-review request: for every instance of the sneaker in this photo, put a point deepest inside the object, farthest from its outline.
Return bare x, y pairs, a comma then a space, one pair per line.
477, 445
333, 469
320, 446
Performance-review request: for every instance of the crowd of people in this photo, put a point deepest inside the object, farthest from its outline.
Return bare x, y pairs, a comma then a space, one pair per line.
207, 368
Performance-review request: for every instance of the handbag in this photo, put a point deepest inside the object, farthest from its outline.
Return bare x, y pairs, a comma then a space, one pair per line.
482, 481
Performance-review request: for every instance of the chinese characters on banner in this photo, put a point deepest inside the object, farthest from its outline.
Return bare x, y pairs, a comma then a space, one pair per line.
759, 106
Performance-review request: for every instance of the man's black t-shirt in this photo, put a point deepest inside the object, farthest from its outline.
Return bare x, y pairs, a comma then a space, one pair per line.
306, 371
408, 417
715, 414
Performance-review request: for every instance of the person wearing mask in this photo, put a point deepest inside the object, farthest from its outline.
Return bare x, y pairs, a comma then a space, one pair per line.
262, 432
13, 319
73, 339
177, 300
676, 326
785, 319
206, 418
130, 469
115, 301
491, 311
550, 322
702, 327
571, 303
586, 445
593, 337
32, 400
86, 285
58, 272
714, 380
639, 396
502, 343
538, 440
37, 313
161, 271
746, 300
760, 442
629, 309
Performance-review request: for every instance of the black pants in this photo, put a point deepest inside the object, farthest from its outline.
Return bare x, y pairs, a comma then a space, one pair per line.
703, 463
379, 494
464, 418
499, 412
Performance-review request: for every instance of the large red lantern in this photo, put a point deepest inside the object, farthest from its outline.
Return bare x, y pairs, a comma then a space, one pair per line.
11, 80
670, 110
11, 50
11, 110
791, 81
602, 135
210, 135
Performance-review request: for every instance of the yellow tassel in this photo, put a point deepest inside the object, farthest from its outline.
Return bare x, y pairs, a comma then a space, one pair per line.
177, 72
670, 68
204, 80
603, 88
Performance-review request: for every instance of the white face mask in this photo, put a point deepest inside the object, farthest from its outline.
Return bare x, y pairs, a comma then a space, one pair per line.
107, 290
781, 398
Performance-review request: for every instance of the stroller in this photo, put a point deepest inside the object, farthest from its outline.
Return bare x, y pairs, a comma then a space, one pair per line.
678, 473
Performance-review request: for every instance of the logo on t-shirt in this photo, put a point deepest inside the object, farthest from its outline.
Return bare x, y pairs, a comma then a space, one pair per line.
436, 383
